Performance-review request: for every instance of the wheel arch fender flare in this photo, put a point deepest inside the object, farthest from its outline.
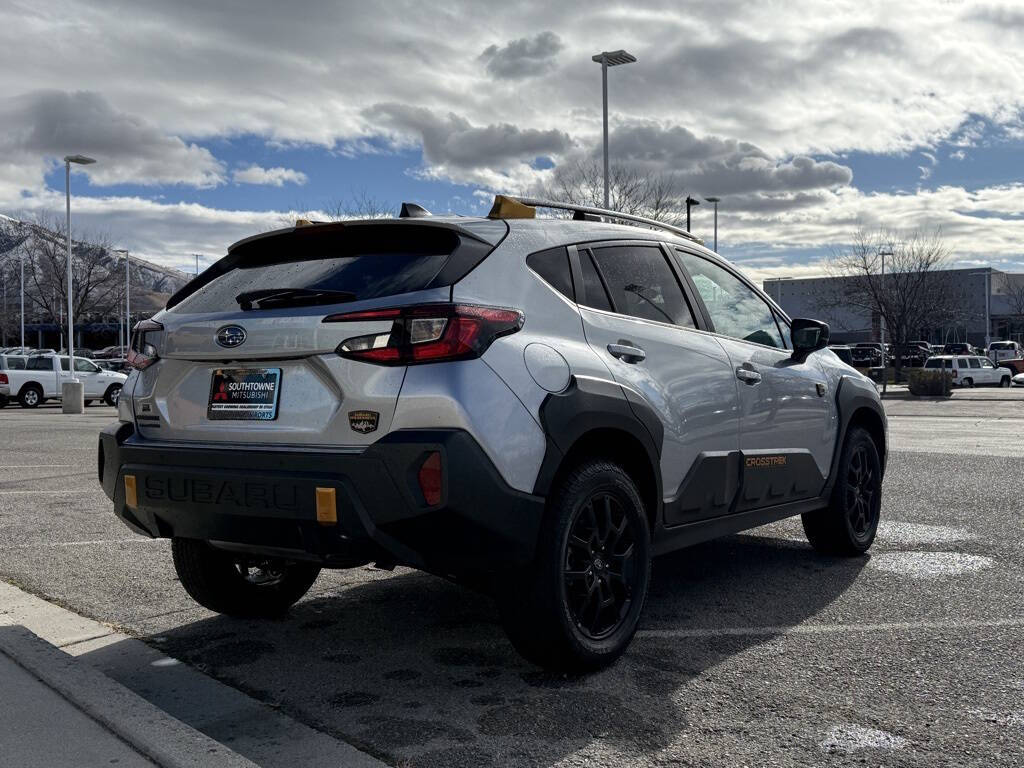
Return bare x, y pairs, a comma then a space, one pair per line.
858, 404
599, 416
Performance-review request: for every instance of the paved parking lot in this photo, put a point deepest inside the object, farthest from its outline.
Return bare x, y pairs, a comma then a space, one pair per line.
754, 650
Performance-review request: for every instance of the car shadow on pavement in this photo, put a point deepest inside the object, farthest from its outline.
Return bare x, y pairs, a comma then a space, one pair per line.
418, 671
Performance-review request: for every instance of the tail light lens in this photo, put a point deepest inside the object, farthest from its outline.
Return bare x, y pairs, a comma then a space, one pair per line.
4, 379
142, 353
427, 333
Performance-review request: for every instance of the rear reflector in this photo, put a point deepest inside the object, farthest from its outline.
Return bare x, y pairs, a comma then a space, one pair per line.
326, 506
131, 497
429, 478
427, 333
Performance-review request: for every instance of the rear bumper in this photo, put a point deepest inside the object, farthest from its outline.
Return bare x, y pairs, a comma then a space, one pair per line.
264, 501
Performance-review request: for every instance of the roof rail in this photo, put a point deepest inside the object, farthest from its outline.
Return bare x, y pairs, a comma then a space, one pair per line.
581, 213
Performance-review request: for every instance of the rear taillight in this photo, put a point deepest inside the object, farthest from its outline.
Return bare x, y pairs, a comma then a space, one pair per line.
427, 333
4, 379
142, 353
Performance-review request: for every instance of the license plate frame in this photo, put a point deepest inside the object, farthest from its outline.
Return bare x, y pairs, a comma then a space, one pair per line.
242, 394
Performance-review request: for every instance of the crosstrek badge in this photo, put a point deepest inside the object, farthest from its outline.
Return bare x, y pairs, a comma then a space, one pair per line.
363, 421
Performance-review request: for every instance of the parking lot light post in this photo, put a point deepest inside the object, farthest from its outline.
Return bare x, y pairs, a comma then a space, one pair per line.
72, 388
714, 201
23, 302
608, 59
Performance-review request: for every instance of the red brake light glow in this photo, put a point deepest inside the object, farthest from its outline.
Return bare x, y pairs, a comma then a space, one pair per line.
427, 333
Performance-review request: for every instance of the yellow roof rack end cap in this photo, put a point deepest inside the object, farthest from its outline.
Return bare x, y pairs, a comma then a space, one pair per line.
510, 208
303, 223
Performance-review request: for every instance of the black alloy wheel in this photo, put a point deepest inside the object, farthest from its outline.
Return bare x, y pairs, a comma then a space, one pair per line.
861, 488
600, 572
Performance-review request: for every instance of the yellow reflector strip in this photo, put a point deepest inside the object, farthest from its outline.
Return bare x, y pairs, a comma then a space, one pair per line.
507, 208
326, 506
131, 497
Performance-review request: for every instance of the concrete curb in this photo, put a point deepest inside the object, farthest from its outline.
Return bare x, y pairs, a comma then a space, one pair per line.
151, 731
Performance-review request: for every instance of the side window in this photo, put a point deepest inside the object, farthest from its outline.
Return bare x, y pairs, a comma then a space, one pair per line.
986, 363
641, 284
734, 307
63, 363
553, 266
594, 292
16, 363
961, 362
974, 362
39, 364
84, 366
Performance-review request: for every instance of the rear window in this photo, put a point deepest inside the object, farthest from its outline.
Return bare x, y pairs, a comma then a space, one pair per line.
368, 261
935, 363
15, 363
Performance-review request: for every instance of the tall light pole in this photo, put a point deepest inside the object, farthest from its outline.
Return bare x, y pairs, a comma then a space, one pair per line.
609, 59
68, 160
23, 301
715, 201
127, 301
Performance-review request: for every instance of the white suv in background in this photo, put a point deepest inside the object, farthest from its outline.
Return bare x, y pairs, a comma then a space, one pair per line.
972, 370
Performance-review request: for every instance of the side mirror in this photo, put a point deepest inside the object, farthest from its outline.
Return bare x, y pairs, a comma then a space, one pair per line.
808, 336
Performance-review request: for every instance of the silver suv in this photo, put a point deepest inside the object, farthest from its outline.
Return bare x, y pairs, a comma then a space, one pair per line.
533, 406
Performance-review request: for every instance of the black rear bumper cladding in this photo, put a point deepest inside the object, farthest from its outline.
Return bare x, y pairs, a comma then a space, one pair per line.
263, 501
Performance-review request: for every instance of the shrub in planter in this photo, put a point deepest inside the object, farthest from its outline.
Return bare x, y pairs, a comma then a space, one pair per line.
930, 383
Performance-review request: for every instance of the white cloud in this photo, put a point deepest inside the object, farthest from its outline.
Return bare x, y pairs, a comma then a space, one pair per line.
275, 177
40, 127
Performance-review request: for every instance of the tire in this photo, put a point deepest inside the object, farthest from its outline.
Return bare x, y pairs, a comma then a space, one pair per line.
849, 524
968, 382
594, 545
238, 585
1004, 382
31, 396
112, 395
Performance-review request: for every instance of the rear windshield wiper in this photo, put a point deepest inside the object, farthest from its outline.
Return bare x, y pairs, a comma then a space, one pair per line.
291, 297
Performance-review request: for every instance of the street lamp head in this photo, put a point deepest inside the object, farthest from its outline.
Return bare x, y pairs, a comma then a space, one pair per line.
691, 200
79, 159
613, 58
713, 199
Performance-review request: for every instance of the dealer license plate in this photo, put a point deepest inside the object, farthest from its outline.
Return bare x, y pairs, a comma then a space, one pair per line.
244, 393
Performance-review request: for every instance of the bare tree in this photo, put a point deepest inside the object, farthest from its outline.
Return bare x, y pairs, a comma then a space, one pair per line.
658, 196
1013, 286
97, 282
361, 205
916, 292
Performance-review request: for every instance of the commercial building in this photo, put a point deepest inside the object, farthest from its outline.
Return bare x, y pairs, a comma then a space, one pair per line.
983, 296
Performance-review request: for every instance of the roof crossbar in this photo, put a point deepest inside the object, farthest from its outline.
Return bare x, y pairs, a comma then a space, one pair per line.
581, 211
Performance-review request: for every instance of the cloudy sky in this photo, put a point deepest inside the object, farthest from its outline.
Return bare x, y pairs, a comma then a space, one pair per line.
212, 119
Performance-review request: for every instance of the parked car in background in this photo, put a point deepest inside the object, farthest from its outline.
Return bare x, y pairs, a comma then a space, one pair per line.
842, 351
867, 354
1018, 380
957, 348
84, 352
972, 370
112, 365
1004, 350
110, 353
1016, 365
915, 353
44, 375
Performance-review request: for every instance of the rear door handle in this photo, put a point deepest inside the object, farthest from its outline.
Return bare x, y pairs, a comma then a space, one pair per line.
748, 376
626, 352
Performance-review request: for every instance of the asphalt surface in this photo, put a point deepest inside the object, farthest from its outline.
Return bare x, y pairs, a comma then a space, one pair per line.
754, 650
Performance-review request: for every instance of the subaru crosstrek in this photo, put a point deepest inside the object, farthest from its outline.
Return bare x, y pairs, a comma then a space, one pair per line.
533, 406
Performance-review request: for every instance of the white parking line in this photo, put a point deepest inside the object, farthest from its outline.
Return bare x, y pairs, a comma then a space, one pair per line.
822, 629
29, 466
54, 492
86, 543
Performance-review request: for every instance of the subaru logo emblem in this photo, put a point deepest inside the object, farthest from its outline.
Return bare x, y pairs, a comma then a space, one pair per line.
231, 336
